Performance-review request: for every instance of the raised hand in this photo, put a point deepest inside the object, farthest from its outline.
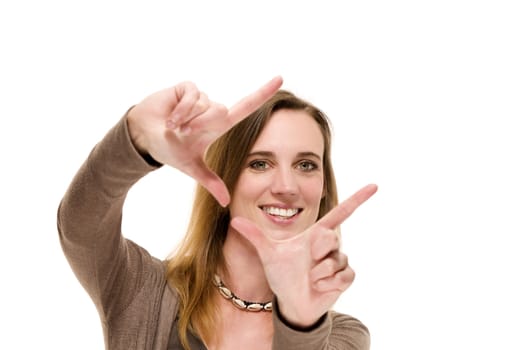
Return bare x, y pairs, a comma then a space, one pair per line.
176, 125
308, 272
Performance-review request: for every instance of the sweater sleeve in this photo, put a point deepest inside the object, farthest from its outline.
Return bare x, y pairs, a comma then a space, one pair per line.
110, 268
335, 331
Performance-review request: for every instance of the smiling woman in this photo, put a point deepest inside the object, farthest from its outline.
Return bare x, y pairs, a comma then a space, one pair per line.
281, 188
260, 268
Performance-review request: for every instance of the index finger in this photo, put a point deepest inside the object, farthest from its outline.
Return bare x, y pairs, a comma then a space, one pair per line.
250, 103
337, 215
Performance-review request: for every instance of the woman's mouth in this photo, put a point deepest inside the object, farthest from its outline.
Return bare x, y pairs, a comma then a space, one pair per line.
281, 213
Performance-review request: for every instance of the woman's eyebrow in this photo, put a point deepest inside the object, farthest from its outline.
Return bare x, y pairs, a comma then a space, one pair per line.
309, 154
269, 154
261, 154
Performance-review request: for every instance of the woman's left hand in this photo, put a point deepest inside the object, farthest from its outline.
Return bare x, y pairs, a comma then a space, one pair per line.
308, 272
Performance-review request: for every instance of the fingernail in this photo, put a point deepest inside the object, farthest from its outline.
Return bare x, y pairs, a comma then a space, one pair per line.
170, 124
184, 130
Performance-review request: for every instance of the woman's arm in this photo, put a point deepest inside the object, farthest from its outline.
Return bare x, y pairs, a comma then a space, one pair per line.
89, 221
173, 126
334, 331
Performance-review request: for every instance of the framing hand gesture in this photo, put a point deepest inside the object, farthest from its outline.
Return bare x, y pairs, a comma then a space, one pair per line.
307, 272
176, 125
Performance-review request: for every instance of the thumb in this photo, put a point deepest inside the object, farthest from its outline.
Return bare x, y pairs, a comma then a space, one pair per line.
251, 232
210, 181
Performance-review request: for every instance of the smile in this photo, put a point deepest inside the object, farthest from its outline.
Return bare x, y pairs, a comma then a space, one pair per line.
284, 213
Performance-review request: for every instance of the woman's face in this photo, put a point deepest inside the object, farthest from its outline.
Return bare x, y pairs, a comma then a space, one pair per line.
281, 184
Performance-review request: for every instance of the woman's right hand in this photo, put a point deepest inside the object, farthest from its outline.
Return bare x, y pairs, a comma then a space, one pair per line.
175, 126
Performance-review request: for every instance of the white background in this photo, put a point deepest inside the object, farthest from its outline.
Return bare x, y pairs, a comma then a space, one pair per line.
427, 101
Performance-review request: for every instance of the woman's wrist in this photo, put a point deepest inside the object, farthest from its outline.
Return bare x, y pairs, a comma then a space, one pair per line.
135, 134
137, 138
294, 320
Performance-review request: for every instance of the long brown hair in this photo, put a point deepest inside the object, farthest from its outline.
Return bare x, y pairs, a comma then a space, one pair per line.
191, 268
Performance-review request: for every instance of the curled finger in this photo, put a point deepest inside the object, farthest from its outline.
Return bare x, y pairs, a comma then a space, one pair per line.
201, 107
212, 121
339, 282
186, 95
324, 241
329, 266
198, 108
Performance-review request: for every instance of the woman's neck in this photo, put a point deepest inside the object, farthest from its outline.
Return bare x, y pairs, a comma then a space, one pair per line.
245, 275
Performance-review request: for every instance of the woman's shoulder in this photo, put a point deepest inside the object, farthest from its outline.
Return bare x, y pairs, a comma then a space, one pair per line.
349, 331
341, 318
344, 321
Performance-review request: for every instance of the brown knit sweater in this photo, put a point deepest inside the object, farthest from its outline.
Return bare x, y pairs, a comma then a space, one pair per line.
137, 307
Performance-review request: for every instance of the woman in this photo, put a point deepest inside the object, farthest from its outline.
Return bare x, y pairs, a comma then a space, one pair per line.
260, 265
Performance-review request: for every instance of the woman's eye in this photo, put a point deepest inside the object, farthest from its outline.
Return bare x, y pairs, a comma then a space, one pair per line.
307, 166
259, 165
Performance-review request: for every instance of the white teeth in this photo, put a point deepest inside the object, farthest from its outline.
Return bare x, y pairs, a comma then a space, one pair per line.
281, 211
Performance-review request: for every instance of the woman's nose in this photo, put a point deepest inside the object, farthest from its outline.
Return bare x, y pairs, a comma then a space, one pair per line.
284, 182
